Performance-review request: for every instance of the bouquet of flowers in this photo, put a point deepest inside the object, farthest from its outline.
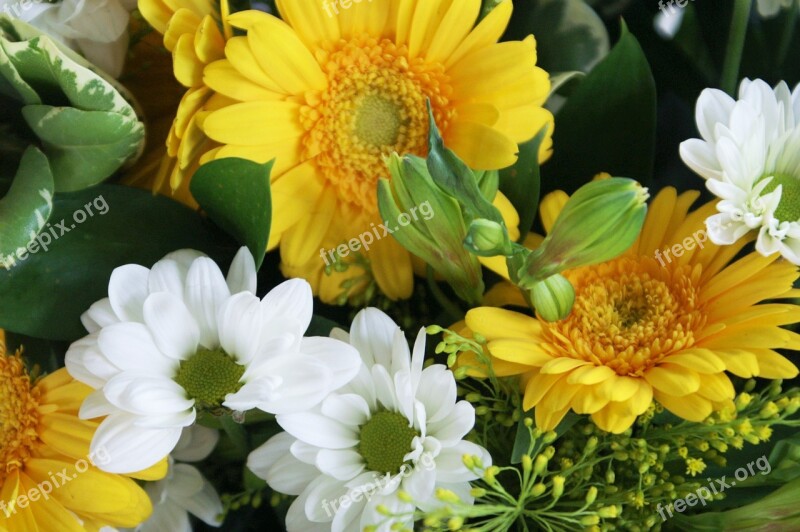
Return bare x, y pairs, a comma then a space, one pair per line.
383, 265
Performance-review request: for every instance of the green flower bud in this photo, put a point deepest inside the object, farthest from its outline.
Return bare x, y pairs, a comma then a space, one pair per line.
599, 222
438, 240
553, 298
486, 238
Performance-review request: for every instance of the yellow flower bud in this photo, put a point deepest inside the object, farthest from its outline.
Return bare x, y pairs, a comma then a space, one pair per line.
558, 486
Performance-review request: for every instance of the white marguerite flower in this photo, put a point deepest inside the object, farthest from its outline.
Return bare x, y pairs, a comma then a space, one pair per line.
184, 490
750, 157
394, 427
98, 29
179, 337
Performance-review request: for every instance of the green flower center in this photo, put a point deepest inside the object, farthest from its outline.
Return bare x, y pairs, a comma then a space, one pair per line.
208, 376
378, 120
789, 208
385, 440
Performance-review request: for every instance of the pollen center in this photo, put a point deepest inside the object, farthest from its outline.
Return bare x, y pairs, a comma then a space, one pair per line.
789, 208
19, 416
629, 314
209, 376
385, 440
375, 104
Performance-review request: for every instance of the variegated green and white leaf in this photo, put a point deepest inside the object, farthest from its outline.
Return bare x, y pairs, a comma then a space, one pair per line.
84, 147
24, 211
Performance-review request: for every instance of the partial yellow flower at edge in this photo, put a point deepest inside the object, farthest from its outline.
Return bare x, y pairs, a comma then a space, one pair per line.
42, 434
195, 34
330, 96
641, 330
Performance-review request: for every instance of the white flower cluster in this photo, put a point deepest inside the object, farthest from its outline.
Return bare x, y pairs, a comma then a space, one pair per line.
363, 421
749, 155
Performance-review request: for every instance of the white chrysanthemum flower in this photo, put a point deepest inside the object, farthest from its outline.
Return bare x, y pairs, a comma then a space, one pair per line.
394, 427
184, 490
179, 337
98, 29
750, 158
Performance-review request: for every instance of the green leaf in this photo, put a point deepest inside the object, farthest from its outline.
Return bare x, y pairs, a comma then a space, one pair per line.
521, 183
609, 122
24, 211
84, 147
45, 295
569, 34
522, 442
236, 195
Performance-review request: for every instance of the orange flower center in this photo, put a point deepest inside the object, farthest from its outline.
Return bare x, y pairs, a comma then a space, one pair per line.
629, 314
19, 417
375, 104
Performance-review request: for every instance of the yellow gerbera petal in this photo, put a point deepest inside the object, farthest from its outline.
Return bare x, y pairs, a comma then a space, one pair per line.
524, 352
673, 379
486, 33
495, 323
692, 407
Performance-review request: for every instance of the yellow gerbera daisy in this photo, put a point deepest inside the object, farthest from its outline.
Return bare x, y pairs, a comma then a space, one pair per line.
191, 30
329, 92
47, 482
646, 328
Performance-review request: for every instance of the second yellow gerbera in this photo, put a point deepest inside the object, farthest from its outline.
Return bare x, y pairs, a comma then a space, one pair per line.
47, 478
330, 94
644, 327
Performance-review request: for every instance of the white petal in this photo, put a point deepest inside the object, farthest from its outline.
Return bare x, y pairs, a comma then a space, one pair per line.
181, 419
296, 520
384, 388
701, 157
303, 384
288, 308
127, 290
454, 427
340, 359
364, 386
205, 292
420, 483
319, 430
322, 489
141, 394
87, 364
131, 448
450, 465
185, 480
172, 325
274, 463
713, 106
350, 409
252, 394
437, 391
96, 405
196, 443
169, 274
99, 315
242, 273
130, 346
372, 333
305, 452
344, 464
724, 231
205, 504
349, 510
167, 516
240, 320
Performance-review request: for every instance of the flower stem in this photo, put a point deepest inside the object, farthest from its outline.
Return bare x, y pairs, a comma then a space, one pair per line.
788, 33
736, 38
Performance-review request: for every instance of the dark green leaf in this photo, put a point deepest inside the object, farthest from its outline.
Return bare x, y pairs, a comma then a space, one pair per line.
521, 183
569, 34
45, 295
608, 124
236, 195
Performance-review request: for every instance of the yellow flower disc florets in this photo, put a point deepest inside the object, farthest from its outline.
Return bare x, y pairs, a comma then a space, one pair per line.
19, 415
375, 104
629, 314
